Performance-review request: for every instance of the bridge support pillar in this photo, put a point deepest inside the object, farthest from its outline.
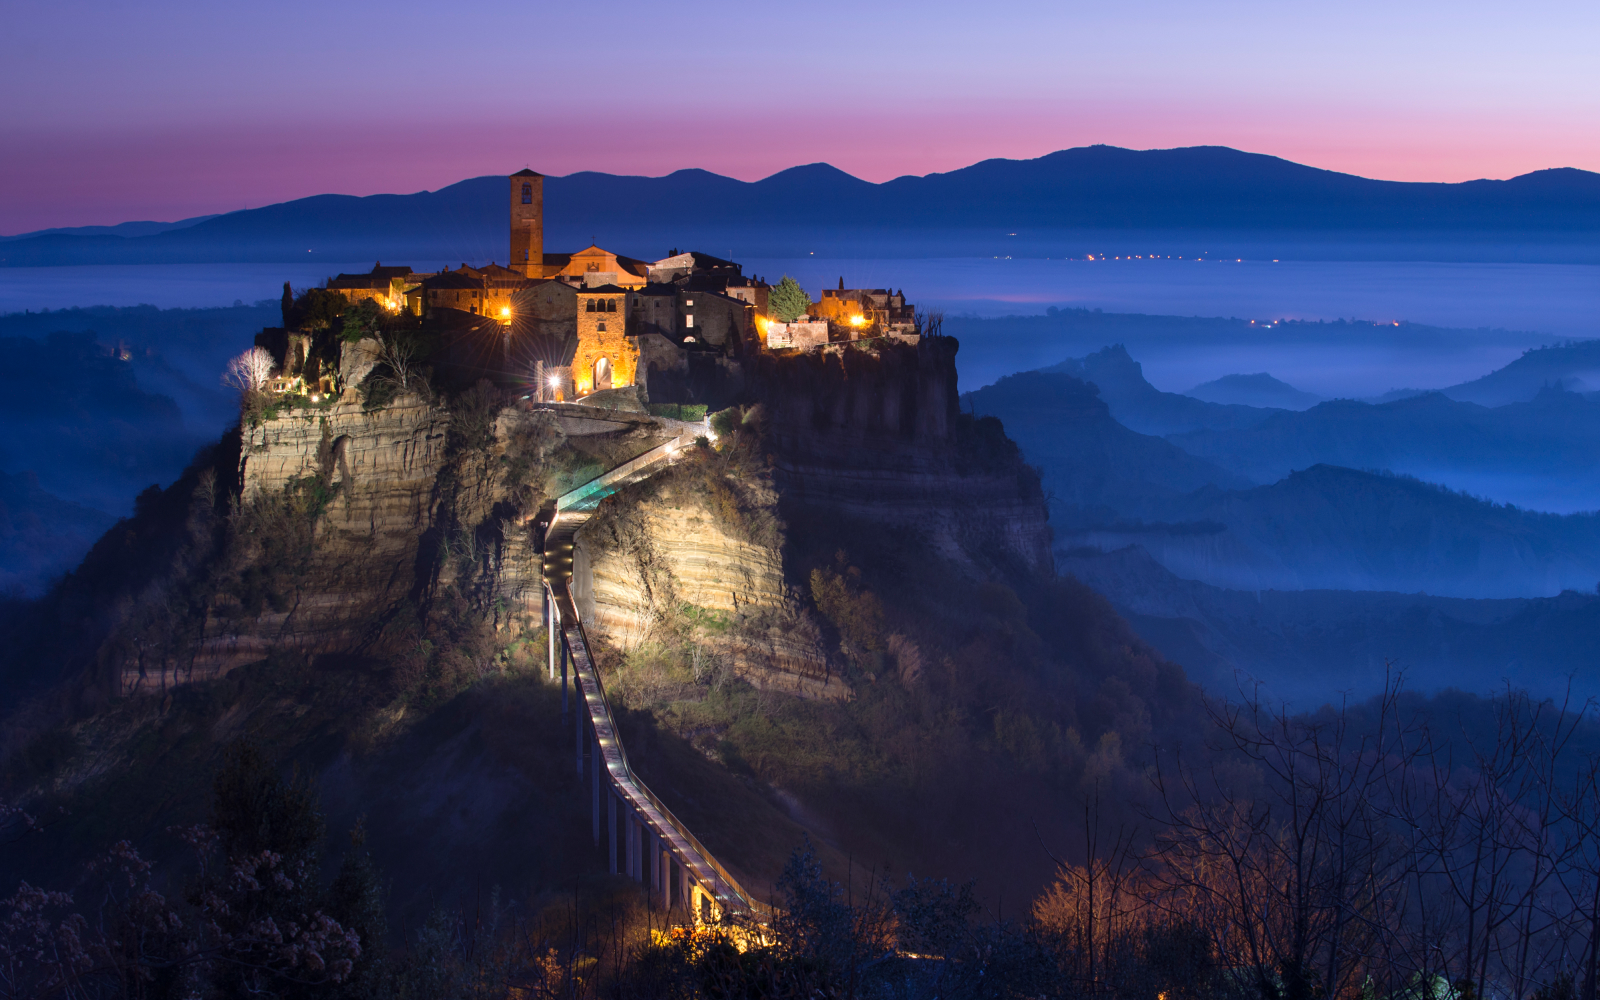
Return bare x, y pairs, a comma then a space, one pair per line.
594, 786
657, 887
611, 822
550, 627
685, 897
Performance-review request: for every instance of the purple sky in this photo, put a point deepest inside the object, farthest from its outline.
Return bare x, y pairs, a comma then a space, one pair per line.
161, 110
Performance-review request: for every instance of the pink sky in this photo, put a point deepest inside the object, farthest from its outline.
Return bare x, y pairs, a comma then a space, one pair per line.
169, 110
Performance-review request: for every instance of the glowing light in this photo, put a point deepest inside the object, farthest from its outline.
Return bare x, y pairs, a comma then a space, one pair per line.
555, 381
505, 313
858, 320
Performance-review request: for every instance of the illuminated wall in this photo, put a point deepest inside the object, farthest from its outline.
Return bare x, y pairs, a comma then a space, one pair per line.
602, 335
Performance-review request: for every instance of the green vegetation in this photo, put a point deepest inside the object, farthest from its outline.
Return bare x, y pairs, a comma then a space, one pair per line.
788, 301
855, 612
691, 412
364, 319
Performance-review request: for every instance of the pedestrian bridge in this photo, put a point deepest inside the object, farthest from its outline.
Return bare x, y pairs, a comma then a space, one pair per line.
654, 846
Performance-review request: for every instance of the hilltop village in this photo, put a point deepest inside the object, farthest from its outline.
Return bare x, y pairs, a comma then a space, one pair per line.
570, 326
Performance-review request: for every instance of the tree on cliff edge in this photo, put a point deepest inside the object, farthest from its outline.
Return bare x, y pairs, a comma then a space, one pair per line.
788, 300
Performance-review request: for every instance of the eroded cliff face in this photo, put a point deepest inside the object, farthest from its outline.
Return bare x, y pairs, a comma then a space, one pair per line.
357, 500
353, 527
667, 562
878, 435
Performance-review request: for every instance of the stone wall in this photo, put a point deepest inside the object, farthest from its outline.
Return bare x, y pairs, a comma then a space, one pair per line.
603, 335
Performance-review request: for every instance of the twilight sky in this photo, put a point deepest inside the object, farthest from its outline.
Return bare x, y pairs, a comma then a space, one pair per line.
116, 110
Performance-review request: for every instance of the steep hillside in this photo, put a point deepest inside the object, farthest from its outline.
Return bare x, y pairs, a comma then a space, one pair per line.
1141, 406
1539, 451
41, 536
840, 619
1098, 472
1329, 528
1574, 367
1312, 645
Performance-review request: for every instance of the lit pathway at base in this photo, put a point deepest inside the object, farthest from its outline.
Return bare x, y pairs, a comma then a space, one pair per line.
571, 511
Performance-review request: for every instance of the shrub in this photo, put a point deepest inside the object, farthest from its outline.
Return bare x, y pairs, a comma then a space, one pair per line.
855, 611
678, 411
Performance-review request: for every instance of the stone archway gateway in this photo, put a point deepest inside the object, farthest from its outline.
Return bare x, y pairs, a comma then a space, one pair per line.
602, 374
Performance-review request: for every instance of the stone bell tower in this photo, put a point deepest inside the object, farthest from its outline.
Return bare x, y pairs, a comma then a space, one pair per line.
527, 223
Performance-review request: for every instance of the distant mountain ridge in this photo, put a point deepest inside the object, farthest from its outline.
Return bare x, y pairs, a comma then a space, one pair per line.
1092, 187
122, 229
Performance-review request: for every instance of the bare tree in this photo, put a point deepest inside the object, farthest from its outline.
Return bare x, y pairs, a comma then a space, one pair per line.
249, 371
401, 362
1294, 868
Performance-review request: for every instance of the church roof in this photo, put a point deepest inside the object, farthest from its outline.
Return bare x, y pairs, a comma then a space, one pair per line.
525, 172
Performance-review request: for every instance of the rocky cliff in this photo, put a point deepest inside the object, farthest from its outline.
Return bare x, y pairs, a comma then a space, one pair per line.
355, 528
877, 435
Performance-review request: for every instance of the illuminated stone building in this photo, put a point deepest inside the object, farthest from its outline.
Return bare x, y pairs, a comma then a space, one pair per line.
856, 312
606, 356
387, 285
680, 328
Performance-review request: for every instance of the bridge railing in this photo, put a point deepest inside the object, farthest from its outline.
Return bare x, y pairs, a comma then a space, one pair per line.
761, 910
591, 493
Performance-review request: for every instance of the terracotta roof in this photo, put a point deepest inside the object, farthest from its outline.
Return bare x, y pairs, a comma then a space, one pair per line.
452, 279
353, 281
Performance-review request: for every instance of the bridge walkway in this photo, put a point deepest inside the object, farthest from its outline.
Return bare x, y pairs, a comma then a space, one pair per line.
704, 876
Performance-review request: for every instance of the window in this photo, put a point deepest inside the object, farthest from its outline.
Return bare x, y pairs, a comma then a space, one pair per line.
611, 305
601, 326
688, 302
688, 321
588, 306
527, 194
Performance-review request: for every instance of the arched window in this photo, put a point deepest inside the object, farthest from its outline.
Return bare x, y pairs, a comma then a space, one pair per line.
527, 194
611, 305
588, 305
